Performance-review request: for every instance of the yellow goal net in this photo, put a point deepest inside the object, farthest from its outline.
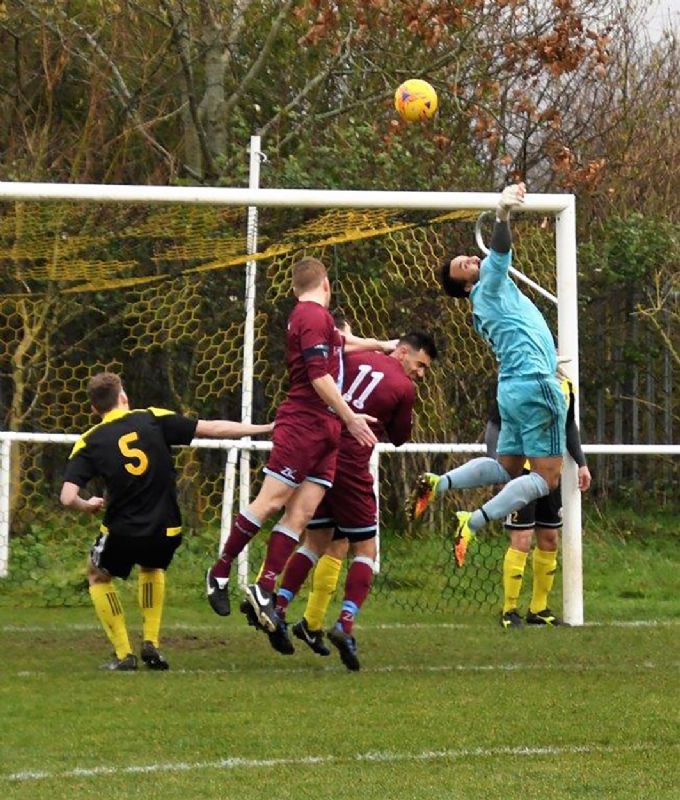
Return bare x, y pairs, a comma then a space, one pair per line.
157, 294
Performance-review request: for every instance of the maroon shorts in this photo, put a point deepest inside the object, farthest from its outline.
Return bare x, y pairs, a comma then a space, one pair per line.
349, 507
305, 448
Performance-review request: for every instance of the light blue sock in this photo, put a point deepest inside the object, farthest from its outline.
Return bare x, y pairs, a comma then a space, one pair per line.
477, 472
516, 494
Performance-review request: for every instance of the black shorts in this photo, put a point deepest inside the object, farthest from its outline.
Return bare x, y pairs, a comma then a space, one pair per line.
118, 554
546, 512
354, 536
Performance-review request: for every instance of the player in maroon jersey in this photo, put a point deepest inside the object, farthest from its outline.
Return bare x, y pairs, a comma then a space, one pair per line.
306, 437
383, 387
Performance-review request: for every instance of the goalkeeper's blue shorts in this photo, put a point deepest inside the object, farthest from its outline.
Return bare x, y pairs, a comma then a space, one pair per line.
533, 416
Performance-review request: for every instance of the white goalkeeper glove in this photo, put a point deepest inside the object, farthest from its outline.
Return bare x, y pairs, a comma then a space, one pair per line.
511, 199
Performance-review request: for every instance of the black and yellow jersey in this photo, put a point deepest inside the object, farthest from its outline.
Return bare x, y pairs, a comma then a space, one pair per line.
130, 451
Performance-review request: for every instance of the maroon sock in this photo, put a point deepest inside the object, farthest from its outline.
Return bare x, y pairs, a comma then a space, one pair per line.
299, 566
295, 574
357, 587
279, 549
242, 531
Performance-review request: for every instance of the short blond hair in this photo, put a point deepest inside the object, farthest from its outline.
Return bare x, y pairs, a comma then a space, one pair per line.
104, 389
308, 274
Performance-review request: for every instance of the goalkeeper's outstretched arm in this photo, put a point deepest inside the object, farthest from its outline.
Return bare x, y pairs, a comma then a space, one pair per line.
511, 198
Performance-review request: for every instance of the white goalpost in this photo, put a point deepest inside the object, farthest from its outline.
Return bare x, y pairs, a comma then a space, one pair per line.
560, 206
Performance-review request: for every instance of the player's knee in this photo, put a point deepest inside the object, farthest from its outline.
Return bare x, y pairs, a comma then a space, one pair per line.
272, 497
338, 548
547, 539
298, 518
367, 549
521, 540
96, 575
317, 541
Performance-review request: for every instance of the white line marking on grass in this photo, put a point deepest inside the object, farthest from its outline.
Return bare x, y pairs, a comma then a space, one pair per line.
370, 757
646, 666
385, 626
410, 668
636, 623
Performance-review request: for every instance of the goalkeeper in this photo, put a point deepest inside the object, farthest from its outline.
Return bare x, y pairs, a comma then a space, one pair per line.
529, 396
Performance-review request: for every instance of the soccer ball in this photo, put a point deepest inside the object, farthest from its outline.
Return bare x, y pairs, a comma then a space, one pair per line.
415, 100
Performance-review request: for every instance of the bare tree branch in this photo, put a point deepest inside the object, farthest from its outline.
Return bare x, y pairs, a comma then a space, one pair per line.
258, 64
118, 84
181, 40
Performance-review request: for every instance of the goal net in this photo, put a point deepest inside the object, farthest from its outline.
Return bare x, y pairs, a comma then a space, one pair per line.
167, 288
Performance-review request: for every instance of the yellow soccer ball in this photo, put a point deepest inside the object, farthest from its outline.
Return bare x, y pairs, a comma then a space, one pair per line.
415, 100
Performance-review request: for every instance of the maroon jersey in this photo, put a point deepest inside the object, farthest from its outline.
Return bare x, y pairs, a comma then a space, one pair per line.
376, 384
314, 349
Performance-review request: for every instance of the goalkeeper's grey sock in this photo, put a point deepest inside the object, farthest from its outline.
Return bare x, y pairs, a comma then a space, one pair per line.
515, 495
477, 472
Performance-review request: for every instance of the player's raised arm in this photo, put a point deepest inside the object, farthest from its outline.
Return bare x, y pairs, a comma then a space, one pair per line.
511, 198
495, 266
227, 429
357, 343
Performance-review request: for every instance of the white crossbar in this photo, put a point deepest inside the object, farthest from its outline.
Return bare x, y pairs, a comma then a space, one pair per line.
307, 198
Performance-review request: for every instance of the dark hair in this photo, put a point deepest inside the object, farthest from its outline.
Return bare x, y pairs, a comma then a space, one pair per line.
454, 287
419, 340
103, 390
339, 319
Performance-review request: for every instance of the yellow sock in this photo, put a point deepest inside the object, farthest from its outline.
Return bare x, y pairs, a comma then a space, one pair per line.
324, 584
110, 613
151, 596
513, 575
545, 567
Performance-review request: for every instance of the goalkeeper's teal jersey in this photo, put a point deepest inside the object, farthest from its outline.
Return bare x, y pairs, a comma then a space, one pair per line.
512, 325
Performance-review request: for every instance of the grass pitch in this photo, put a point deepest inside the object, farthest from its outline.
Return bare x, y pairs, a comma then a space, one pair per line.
440, 709
447, 705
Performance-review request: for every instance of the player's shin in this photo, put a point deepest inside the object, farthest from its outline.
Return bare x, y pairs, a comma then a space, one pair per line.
109, 610
513, 575
243, 529
544, 567
324, 584
513, 496
357, 587
279, 549
151, 598
297, 569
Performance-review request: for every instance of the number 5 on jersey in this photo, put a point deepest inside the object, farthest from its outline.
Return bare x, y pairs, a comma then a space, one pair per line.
133, 453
